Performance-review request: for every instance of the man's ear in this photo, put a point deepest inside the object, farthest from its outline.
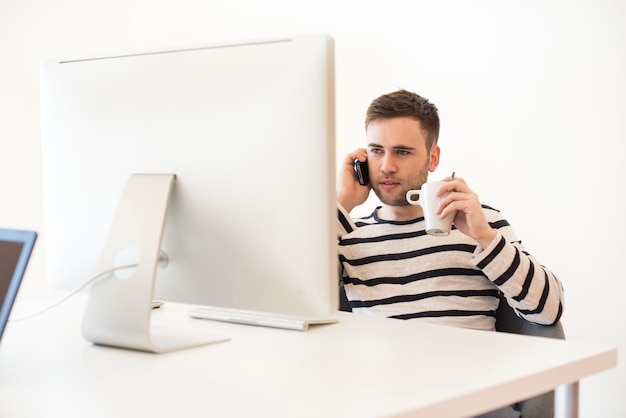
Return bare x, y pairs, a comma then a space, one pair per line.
434, 158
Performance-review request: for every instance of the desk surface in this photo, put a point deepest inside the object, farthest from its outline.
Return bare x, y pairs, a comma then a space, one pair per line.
360, 367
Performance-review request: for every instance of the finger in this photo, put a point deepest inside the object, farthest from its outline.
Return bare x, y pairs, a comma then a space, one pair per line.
358, 154
459, 179
450, 186
457, 185
456, 201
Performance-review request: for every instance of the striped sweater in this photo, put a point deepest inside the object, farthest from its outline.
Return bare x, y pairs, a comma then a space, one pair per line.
395, 269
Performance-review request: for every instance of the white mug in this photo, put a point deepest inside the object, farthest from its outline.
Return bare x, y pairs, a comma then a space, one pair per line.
428, 200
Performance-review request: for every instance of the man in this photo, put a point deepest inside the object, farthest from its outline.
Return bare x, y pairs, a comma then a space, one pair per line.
391, 267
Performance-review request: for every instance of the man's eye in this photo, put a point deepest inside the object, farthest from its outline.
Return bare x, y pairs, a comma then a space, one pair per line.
375, 150
403, 152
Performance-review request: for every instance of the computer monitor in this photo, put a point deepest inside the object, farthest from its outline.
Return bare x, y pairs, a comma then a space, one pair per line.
247, 128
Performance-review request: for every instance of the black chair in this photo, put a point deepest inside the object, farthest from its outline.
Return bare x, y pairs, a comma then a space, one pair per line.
507, 321
541, 406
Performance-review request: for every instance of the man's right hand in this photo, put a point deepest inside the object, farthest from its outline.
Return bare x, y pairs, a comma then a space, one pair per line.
350, 193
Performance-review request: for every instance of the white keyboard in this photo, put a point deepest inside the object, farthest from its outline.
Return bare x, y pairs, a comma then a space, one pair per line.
263, 319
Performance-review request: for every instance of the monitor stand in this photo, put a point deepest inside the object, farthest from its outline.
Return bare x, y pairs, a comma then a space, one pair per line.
120, 305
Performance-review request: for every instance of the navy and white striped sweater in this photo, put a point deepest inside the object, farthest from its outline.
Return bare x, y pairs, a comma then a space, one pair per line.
394, 269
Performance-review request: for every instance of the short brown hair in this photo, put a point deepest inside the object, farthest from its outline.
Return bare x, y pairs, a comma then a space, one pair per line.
403, 103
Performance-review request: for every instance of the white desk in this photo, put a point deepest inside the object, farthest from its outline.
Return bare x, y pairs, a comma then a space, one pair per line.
361, 367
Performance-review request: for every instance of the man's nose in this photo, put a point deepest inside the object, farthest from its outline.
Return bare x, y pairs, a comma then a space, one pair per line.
389, 165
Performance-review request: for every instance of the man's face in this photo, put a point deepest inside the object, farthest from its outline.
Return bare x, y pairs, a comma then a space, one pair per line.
398, 159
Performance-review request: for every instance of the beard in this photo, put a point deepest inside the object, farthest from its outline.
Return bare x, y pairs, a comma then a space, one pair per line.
397, 197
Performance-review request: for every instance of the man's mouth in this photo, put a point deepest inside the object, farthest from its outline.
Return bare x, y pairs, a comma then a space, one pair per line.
388, 184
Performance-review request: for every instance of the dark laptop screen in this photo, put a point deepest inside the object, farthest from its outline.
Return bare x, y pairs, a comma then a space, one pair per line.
9, 256
15, 250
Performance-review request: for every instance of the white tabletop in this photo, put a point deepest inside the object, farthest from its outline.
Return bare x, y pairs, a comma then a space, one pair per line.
360, 367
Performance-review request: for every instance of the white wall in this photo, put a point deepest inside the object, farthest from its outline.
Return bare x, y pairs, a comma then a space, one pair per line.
532, 96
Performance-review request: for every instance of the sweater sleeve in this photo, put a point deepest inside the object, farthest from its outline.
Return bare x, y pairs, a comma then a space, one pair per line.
345, 224
531, 289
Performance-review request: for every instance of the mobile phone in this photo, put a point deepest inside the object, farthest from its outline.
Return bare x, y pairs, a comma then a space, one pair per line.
361, 172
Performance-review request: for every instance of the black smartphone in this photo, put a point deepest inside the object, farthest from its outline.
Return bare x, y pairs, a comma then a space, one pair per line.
361, 172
